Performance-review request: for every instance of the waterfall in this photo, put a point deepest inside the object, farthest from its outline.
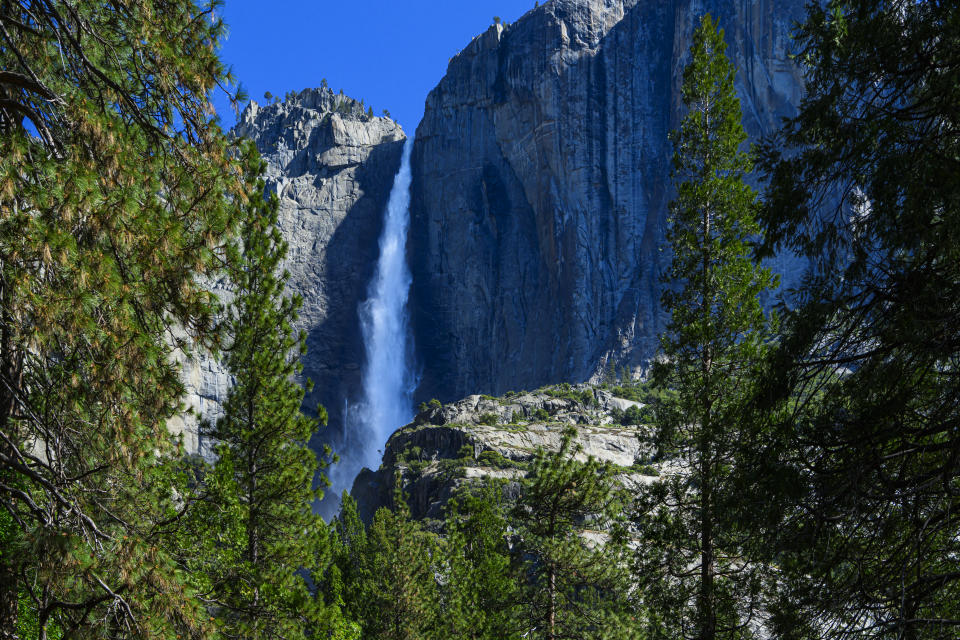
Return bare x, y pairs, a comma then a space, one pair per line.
388, 381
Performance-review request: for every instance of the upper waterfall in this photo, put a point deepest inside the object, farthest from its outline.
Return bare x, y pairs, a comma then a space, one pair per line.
388, 381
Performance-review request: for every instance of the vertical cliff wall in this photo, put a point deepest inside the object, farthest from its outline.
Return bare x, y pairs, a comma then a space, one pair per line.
332, 167
541, 183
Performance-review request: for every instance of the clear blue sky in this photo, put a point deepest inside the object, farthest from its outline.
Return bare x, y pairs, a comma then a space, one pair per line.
390, 54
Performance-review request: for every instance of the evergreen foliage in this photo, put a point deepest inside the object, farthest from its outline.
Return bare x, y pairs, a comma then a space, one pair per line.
691, 568
482, 593
254, 529
385, 574
860, 410
573, 589
345, 579
116, 192
404, 589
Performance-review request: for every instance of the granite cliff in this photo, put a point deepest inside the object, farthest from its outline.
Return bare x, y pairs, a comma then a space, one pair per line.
332, 167
541, 177
541, 183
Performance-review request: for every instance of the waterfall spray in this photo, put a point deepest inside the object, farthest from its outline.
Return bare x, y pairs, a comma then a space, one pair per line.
388, 381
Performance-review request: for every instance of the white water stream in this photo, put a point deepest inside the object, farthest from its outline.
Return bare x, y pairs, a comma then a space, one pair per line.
388, 381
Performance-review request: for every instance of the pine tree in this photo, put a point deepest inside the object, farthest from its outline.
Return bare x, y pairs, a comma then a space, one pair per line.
347, 575
254, 529
864, 183
384, 576
691, 567
117, 192
575, 589
402, 592
481, 597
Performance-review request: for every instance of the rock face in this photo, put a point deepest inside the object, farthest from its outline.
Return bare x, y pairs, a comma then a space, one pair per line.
332, 167
541, 183
483, 437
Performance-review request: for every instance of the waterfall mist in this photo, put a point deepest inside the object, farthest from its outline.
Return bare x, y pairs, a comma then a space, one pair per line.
386, 401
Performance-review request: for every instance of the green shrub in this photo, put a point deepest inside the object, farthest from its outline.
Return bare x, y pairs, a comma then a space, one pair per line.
489, 419
566, 392
646, 470
497, 460
632, 415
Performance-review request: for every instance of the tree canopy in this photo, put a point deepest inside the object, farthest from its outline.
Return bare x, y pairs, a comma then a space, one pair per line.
860, 408
117, 192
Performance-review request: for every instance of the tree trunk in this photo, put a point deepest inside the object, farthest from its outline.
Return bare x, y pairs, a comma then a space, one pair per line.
9, 379
708, 616
253, 525
8, 600
552, 606
707, 613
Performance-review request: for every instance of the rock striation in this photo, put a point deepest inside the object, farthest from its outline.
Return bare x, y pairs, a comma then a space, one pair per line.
332, 167
541, 178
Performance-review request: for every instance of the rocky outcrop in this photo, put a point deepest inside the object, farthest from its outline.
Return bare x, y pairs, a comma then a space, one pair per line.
541, 183
332, 167
481, 437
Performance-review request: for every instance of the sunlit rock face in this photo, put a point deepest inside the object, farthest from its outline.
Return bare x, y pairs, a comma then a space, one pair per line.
449, 447
332, 168
541, 182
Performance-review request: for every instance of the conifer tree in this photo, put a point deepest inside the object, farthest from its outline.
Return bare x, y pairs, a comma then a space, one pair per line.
384, 576
574, 589
864, 183
482, 596
346, 579
117, 191
254, 527
402, 592
690, 564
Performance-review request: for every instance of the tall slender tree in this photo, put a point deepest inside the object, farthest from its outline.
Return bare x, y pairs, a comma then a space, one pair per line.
863, 395
574, 589
717, 328
346, 579
482, 591
256, 529
402, 592
385, 575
